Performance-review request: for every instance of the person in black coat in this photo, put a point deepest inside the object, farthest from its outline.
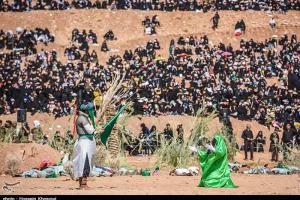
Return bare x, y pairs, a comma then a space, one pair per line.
247, 135
168, 132
274, 141
293, 81
298, 135
259, 141
145, 132
287, 140
243, 26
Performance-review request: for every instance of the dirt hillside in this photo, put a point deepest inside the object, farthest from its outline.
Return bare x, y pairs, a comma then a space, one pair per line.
127, 26
29, 155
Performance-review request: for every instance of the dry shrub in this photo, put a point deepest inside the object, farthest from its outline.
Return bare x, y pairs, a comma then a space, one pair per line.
104, 158
175, 154
101, 155
34, 151
12, 164
230, 143
69, 169
293, 157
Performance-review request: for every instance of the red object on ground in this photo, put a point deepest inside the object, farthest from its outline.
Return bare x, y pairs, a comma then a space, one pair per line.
45, 163
238, 32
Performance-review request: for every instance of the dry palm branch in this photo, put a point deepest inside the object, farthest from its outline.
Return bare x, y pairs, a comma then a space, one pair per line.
113, 95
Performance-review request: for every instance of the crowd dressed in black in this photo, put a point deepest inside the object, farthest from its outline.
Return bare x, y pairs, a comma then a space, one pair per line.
167, 5
196, 74
25, 41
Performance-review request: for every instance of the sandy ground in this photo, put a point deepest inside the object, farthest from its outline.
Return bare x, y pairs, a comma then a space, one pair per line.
162, 184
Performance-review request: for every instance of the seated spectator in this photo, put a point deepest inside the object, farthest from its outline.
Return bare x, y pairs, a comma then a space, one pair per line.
104, 46
109, 36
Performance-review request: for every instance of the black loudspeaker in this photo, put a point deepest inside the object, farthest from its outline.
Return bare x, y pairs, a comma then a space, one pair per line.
21, 115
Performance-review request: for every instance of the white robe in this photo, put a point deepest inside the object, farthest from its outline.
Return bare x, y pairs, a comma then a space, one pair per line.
82, 147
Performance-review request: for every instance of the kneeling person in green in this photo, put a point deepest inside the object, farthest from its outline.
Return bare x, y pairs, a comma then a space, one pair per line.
214, 164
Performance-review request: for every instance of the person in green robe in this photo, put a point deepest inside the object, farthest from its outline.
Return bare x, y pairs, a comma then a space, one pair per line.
214, 164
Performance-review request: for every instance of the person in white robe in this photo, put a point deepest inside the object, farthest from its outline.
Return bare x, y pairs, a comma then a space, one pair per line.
85, 147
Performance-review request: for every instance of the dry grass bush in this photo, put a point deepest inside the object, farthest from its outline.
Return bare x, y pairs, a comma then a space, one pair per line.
293, 157
231, 144
175, 154
104, 158
68, 169
33, 151
12, 164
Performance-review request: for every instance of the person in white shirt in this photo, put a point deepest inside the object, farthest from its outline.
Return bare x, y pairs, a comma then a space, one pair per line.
272, 23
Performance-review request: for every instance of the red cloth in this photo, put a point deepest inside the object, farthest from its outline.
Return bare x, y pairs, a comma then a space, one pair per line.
45, 163
237, 32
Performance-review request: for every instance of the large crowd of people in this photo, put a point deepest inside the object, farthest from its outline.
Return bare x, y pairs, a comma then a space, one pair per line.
167, 5
24, 41
233, 82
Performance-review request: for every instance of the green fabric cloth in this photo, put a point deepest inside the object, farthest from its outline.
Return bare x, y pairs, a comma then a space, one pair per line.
92, 117
109, 126
90, 108
86, 136
215, 170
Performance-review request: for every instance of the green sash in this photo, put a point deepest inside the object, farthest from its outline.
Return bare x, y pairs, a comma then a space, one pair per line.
89, 136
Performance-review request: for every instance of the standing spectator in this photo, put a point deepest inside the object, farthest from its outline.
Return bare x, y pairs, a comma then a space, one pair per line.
143, 135
247, 135
2, 132
259, 142
272, 23
287, 140
215, 20
180, 133
168, 132
274, 141
145, 131
297, 126
155, 134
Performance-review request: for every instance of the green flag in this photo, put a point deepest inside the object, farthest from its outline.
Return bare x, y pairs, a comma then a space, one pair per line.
215, 170
108, 127
92, 117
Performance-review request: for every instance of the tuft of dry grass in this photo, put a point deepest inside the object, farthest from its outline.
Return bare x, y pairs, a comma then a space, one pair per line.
104, 158
12, 164
231, 144
174, 154
293, 157
68, 169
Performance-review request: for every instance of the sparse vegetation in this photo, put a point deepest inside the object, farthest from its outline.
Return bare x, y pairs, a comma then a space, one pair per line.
293, 157
175, 154
12, 164
230, 141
